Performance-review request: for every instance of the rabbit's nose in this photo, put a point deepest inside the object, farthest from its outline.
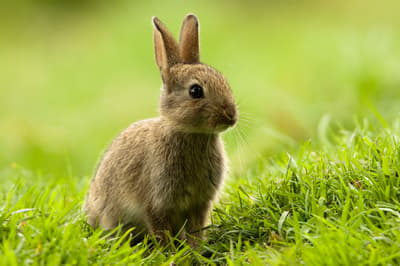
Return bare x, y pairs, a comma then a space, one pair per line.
230, 113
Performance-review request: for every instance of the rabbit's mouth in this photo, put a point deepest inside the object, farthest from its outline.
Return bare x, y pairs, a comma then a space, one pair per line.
225, 121
228, 116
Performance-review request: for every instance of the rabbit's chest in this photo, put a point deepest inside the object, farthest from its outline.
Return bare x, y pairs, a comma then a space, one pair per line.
190, 183
195, 186
188, 179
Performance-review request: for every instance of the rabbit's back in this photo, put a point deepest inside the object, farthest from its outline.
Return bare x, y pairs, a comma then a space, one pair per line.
117, 181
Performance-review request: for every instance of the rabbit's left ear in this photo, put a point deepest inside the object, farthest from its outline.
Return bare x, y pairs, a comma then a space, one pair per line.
189, 50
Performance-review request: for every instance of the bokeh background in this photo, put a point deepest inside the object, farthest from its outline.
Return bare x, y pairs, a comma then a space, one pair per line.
73, 74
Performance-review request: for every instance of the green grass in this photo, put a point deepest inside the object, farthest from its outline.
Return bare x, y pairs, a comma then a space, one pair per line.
314, 159
335, 203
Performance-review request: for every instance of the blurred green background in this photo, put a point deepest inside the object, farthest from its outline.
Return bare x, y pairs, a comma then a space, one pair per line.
73, 74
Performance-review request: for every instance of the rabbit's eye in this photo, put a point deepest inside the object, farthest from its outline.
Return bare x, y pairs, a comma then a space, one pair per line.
196, 91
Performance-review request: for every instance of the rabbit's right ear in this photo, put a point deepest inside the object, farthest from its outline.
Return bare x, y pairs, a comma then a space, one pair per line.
189, 40
165, 47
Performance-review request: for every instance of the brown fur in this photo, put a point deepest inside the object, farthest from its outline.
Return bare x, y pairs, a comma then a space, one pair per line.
162, 173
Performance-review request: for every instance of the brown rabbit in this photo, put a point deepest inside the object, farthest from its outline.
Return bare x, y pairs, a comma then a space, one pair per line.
162, 174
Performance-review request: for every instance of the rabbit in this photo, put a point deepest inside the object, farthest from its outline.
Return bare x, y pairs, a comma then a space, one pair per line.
163, 174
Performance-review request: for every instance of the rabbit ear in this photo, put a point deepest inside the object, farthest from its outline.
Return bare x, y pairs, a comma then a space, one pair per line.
165, 46
189, 40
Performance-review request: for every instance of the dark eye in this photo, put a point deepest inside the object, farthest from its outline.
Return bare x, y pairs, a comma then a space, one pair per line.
196, 91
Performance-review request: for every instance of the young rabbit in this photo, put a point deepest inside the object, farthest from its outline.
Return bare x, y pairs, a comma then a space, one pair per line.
162, 174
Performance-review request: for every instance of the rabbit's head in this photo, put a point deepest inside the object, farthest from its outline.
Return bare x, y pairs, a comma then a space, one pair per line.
195, 97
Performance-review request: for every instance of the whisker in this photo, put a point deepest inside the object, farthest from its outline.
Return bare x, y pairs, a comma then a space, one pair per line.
245, 122
247, 116
242, 135
244, 126
239, 147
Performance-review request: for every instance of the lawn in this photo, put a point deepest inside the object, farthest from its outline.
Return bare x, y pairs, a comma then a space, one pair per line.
315, 159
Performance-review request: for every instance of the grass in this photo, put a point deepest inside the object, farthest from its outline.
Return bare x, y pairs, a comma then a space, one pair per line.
309, 184
335, 203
